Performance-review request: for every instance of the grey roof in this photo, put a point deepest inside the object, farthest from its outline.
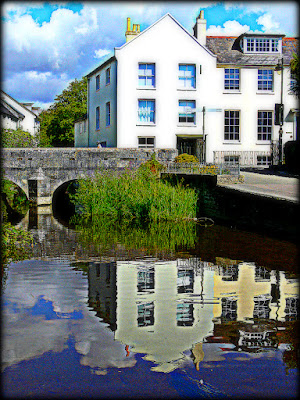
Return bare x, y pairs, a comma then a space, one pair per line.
106, 61
12, 111
222, 46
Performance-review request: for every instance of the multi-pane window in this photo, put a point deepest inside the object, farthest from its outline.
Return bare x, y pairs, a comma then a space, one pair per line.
145, 314
107, 106
262, 45
232, 125
147, 75
263, 160
232, 159
232, 79
97, 117
264, 125
97, 82
107, 76
146, 142
185, 314
187, 112
187, 76
265, 79
146, 111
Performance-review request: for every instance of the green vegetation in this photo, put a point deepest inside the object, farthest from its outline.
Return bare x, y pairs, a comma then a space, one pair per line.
156, 237
57, 123
16, 245
17, 138
186, 158
14, 202
296, 72
137, 195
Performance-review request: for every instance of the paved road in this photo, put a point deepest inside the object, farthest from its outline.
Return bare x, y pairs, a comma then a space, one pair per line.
279, 187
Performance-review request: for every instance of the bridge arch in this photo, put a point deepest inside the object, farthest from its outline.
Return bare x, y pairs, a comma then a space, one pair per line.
62, 207
22, 184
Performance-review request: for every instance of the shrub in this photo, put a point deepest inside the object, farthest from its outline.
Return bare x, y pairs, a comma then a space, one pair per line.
17, 138
132, 195
186, 158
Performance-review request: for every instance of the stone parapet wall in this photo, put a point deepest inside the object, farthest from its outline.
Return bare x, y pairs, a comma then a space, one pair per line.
88, 158
227, 179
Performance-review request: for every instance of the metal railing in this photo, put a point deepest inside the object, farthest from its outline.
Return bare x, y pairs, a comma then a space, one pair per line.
202, 169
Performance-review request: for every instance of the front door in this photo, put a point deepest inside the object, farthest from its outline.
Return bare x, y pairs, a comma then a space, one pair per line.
193, 146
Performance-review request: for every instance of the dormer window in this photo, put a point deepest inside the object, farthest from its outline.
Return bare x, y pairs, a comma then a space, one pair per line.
256, 44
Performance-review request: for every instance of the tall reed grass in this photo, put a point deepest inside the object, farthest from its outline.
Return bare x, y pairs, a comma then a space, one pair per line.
137, 195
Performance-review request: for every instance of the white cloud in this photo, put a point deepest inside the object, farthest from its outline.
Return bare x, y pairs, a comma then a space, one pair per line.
101, 53
229, 28
267, 22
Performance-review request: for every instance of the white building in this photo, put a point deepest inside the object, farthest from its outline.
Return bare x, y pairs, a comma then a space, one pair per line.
214, 97
16, 115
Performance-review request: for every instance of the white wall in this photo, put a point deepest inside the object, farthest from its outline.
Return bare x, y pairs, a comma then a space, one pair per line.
29, 123
8, 123
249, 101
166, 44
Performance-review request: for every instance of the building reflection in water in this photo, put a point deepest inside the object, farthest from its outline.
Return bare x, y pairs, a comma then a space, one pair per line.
173, 310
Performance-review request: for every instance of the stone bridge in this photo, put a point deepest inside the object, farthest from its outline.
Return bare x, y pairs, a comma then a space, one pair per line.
39, 172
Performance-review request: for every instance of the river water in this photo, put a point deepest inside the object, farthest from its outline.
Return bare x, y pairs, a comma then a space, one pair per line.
209, 314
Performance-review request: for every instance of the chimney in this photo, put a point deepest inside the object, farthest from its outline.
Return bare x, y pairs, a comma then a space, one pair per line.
200, 28
130, 34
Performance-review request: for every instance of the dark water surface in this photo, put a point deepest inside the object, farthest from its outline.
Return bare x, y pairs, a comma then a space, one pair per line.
215, 317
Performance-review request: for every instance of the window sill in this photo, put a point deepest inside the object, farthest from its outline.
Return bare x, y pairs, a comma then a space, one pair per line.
145, 88
187, 89
263, 142
232, 92
232, 142
191, 125
145, 124
268, 92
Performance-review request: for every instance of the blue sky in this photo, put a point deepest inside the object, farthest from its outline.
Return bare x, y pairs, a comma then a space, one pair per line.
46, 45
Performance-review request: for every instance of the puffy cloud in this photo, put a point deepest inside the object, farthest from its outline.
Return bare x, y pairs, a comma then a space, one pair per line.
229, 28
101, 53
267, 22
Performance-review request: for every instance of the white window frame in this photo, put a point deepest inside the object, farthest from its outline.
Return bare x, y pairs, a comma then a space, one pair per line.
263, 160
188, 111
232, 125
146, 111
185, 78
264, 81
255, 44
142, 74
146, 145
264, 130
232, 81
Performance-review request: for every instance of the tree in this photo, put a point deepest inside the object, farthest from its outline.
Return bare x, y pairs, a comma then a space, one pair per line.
295, 71
57, 123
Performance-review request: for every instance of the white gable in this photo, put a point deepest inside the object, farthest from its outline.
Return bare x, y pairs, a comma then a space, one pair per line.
167, 29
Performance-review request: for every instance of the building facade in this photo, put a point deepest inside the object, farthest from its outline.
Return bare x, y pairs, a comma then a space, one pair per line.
16, 115
218, 98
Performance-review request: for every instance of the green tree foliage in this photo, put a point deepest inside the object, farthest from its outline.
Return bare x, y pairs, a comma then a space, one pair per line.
295, 71
13, 201
57, 123
17, 138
